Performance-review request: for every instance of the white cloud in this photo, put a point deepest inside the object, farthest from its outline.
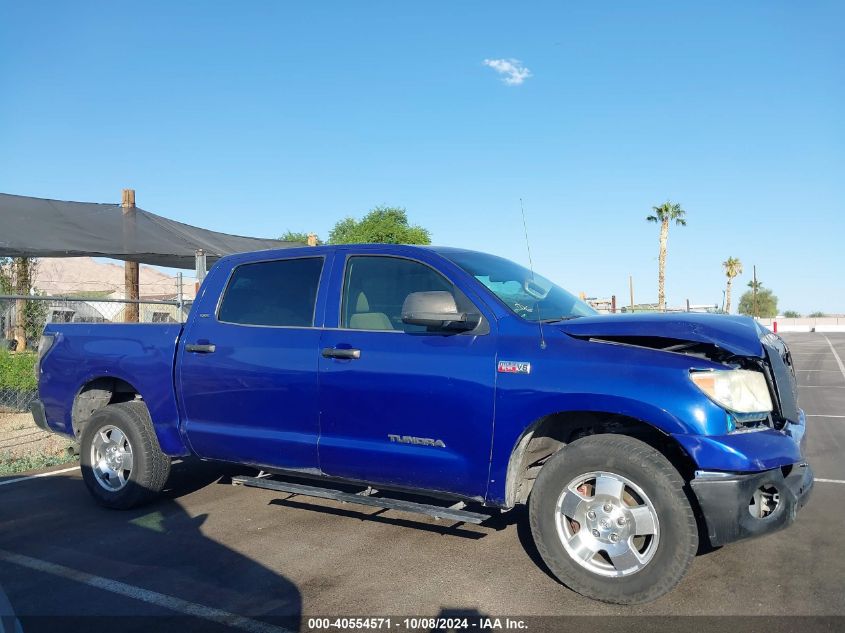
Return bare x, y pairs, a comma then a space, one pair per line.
512, 70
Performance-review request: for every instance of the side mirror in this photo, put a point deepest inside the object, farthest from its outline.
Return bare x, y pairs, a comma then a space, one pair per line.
437, 310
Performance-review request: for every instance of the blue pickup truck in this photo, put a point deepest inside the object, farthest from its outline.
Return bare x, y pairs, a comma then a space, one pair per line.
457, 377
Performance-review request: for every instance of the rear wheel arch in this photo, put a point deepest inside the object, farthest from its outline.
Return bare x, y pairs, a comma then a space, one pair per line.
550, 433
96, 394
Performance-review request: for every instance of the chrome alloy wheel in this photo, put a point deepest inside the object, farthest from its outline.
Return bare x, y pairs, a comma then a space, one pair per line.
607, 524
111, 458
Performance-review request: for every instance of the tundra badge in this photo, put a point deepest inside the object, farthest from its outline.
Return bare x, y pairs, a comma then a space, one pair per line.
408, 439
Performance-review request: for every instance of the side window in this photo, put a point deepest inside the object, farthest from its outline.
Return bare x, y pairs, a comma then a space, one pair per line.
375, 288
280, 293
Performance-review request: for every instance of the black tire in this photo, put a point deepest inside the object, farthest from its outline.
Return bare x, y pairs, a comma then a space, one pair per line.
150, 467
637, 462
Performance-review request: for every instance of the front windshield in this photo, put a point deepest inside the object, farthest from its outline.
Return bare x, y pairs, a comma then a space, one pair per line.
530, 295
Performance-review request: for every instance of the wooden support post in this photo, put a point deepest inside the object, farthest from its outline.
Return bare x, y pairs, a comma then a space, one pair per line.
312, 239
132, 288
22, 269
200, 266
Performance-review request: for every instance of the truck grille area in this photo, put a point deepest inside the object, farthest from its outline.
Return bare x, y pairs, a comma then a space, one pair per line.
781, 375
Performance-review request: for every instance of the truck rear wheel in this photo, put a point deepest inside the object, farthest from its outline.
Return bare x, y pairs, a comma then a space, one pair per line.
122, 463
610, 518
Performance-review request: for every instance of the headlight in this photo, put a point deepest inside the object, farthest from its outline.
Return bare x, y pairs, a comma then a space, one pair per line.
738, 390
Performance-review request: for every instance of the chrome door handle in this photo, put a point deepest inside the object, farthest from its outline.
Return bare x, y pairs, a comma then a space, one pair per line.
337, 352
199, 348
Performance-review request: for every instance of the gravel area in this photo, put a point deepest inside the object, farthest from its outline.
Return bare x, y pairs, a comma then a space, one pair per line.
23, 446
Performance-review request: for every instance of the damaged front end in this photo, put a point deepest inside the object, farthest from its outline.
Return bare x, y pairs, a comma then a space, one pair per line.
751, 479
733, 342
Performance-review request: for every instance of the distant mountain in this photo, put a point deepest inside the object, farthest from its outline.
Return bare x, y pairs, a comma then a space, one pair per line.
74, 275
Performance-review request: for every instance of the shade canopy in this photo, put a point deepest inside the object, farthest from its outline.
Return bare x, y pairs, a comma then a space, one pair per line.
38, 227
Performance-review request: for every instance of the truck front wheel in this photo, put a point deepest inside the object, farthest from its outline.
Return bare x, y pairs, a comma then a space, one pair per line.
122, 463
610, 518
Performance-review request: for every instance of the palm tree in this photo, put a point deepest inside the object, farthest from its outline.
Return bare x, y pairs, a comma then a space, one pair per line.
733, 268
663, 215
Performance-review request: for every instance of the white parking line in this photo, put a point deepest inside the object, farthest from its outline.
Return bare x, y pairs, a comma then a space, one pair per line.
807, 344
816, 351
836, 356
819, 415
821, 386
38, 476
830, 481
144, 595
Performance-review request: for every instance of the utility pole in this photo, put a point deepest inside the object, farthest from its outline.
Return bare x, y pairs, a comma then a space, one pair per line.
754, 291
631, 288
131, 282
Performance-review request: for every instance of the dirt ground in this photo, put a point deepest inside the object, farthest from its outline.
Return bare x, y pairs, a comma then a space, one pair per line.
20, 438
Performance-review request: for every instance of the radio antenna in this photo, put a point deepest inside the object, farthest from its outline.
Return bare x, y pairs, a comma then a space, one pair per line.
531, 268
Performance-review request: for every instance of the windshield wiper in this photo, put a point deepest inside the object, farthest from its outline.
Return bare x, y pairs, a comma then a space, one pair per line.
562, 318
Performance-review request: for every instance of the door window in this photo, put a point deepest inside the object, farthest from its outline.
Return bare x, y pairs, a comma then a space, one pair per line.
277, 293
375, 288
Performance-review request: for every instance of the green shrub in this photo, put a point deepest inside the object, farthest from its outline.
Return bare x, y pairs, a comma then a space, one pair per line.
13, 465
17, 371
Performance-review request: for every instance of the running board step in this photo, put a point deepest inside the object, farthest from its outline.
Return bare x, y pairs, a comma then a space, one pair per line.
438, 512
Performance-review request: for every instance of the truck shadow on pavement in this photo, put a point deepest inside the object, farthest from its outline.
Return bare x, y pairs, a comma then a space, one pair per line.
517, 517
153, 563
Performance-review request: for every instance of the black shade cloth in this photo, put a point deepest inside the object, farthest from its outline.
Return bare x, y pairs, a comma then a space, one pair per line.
37, 227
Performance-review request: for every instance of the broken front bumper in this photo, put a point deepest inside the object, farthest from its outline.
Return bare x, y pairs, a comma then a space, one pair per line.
731, 502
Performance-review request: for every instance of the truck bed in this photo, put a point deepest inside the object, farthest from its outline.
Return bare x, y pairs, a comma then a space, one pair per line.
85, 357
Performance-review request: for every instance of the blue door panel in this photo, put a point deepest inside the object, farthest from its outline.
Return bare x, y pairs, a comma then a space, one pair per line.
254, 399
427, 387
432, 387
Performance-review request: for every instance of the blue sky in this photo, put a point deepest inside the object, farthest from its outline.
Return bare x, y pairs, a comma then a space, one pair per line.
257, 117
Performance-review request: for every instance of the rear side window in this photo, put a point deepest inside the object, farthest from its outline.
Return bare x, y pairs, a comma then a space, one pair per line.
279, 293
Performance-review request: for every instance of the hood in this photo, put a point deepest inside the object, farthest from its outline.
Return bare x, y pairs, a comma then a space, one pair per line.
737, 335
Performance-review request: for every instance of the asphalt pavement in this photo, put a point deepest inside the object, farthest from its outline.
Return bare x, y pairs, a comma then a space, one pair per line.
211, 556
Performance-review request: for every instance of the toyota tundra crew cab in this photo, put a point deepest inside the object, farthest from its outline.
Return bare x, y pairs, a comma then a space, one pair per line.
457, 376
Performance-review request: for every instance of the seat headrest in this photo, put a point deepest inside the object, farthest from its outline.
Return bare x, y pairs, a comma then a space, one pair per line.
361, 304
370, 321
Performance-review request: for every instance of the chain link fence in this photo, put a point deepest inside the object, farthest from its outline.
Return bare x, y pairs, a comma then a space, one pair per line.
22, 320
